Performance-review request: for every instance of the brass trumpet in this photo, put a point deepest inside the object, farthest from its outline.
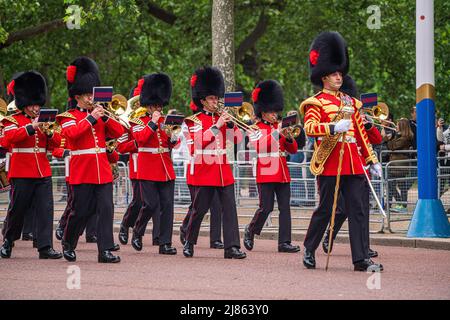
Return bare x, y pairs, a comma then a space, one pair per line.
111, 145
49, 128
294, 130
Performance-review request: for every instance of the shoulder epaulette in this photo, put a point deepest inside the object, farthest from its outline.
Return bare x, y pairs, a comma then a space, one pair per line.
11, 119
194, 118
137, 121
66, 115
310, 101
358, 104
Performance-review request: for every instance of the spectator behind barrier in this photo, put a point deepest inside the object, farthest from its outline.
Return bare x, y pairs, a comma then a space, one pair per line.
402, 140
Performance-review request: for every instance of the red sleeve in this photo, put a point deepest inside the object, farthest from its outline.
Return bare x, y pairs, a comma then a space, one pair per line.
142, 133
374, 135
113, 157
58, 153
54, 141
14, 133
72, 130
292, 148
113, 128
126, 147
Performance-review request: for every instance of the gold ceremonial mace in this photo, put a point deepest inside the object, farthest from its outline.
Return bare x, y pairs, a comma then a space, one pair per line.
348, 110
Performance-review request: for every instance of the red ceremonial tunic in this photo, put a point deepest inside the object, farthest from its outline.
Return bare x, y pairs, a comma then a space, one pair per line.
89, 163
271, 148
320, 111
209, 165
28, 147
153, 161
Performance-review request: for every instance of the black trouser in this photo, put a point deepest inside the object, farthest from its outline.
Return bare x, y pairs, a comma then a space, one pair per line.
29, 222
157, 199
341, 215
215, 223
132, 213
267, 192
203, 196
351, 187
91, 200
91, 226
28, 194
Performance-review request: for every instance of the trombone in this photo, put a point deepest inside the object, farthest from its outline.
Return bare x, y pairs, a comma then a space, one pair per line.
115, 109
239, 116
380, 112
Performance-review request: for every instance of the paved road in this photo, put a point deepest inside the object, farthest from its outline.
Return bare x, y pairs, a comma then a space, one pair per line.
410, 273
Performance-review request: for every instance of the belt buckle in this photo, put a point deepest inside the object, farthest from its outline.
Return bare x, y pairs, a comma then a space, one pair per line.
160, 150
97, 149
36, 149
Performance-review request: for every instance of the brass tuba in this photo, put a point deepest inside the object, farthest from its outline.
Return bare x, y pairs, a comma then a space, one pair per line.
3, 109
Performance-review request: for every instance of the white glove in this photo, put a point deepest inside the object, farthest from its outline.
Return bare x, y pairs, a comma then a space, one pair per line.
343, 125
174, 137
376, 170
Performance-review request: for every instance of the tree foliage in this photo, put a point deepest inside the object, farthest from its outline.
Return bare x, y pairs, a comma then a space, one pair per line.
131, 38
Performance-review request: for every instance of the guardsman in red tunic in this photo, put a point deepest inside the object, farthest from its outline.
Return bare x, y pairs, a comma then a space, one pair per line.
86, 128
155, 171
127, 145
374, 137
210, 171
326, 120
215, 223
29, 169
272, 172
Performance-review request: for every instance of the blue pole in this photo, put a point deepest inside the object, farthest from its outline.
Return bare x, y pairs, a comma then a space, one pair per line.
429, 219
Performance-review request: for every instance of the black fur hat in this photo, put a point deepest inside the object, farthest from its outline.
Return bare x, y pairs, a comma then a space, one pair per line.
28, 88
349, 87
156, 89
328, 53
268, 96
206, 81
82, 76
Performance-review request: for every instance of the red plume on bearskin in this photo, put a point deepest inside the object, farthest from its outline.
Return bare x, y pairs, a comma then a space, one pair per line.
193, 106
10, 88
193, 80
255, 94
138, 89
70, 73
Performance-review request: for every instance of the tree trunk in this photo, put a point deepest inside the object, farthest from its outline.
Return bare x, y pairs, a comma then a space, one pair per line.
222, 23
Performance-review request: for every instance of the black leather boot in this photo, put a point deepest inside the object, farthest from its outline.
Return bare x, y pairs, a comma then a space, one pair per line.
188, 249
216, 245
234, 253
68, 252
107, 257
123, 234
288, 247
136, 243
368, 265
49, 253
167, 249
249, 239
6, 249
309, 260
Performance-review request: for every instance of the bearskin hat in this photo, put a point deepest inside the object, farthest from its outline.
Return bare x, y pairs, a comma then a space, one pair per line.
82, 76
206, 81
328, 53
28, 88
267, 97
349, 87
155, 89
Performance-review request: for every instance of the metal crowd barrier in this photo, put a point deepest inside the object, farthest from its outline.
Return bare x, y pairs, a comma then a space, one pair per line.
397, 191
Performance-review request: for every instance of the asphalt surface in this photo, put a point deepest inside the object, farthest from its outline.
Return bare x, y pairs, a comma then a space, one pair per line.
410, 273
